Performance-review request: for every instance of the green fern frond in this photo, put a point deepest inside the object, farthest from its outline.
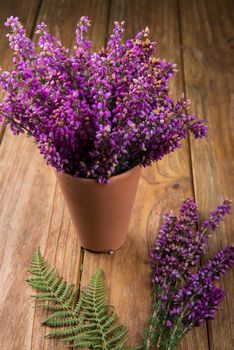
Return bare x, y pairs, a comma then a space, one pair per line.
51, 287
89, 322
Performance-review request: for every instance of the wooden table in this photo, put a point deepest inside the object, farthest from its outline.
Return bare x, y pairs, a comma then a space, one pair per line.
199, 37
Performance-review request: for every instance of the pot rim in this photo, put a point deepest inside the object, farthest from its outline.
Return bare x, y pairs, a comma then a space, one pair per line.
112, 178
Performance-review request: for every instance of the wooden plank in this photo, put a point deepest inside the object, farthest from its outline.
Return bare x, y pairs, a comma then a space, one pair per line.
32, 214
27, 11
207, 34
26, 203
161, 187
32, 210
16, 230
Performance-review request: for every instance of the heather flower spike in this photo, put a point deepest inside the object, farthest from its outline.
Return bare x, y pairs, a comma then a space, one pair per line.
184, 298
217, 215
94, 114
82, 27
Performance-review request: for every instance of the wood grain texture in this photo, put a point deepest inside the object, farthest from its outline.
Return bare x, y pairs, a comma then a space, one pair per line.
208, 43
161, 187
26, 199
27, 11
32, 214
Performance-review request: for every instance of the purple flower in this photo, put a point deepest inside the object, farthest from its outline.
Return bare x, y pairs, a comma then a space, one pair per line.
200, 297
217, 215
189, 212
184, 294
94, 114
169, 324
180, 245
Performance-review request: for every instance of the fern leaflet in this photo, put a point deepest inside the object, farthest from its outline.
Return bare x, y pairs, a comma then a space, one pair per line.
89, 322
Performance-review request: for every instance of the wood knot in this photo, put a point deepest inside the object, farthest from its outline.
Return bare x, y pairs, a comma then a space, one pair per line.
176, 186
230, 43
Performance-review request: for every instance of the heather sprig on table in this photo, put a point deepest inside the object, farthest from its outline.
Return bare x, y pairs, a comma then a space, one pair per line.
184, 294
93, 114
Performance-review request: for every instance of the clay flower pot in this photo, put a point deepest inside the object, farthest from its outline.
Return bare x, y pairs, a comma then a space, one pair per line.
100, 212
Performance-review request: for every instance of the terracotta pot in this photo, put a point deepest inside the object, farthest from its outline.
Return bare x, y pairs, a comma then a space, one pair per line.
100, 212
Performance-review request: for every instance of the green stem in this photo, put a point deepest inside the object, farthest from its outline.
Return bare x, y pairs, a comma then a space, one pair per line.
172, 339
97, 317
149, 342
20, 125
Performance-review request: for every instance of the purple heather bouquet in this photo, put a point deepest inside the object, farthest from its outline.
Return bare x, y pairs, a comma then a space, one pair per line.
93, 115
184, 294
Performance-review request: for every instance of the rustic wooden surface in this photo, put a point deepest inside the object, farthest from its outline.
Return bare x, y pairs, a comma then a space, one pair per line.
208, 44
199, 37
